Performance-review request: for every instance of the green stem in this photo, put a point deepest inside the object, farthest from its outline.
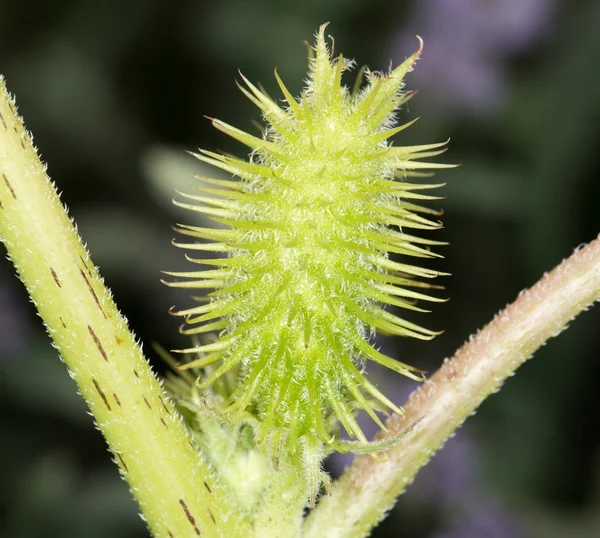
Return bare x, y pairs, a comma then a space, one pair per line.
283, 501
174, 487
368, 488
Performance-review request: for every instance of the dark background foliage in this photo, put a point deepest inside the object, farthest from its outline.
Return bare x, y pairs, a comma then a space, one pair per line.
114, 92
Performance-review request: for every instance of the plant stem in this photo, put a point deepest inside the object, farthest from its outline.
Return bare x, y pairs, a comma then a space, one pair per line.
368, 488
283, 502
176, 491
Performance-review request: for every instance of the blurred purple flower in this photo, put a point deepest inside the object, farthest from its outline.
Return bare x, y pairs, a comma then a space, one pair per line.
488, 25
489, 520
466, 43
14, 326
451, 475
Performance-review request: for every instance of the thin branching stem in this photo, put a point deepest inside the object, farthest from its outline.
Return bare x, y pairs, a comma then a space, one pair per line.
369, 488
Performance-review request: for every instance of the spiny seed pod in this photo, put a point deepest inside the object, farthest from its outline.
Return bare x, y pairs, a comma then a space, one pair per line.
306, 274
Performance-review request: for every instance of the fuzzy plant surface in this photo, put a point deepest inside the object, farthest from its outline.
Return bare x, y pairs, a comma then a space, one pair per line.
305, 273
302, 272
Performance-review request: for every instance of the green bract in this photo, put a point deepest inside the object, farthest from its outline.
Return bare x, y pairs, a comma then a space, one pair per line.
303, 274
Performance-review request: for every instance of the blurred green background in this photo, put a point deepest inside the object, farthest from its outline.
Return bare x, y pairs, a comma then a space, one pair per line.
114, 92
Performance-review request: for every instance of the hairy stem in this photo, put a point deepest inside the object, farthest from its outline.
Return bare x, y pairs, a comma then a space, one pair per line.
369, 488
283, 502
175, 489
